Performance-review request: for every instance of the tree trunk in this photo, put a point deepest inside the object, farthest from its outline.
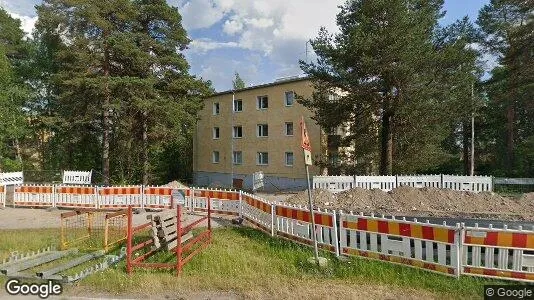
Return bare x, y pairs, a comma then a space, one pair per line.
386, 157
145, 148
106, 116
510, 114
465, 152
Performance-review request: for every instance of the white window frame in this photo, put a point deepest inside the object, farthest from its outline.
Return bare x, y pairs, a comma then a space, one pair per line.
216, 134
213, 156
259, 157
216, 108
292, 100
293, 158
235, 131
260, 132
292, 128
235, 155
235, 106
260, 100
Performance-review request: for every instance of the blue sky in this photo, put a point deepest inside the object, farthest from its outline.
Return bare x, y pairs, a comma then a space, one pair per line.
262, 39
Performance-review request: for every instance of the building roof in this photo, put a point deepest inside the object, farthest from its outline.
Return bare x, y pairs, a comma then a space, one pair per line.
277, 82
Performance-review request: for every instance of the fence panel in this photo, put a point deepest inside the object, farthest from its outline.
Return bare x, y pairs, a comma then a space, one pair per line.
295, 224
11, 178
419, 181
34, 195
258, 212
333, 183
468, 183
385, 183
421, 245
76, 196
498, 253
157, 197
77, 177
2, 196
222, 201
120, 197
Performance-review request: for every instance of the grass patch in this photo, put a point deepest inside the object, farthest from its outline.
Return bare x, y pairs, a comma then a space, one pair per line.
253, 264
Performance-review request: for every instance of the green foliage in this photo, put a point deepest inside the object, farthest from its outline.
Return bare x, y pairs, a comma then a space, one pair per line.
238, 83
120, 84
507, 32
402, 82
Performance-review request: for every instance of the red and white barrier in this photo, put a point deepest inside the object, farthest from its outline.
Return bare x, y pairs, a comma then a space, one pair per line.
2, 196
258, 212
498, 253
427, 246
295, 223
120, 197
34, 195
76, 196
222, 201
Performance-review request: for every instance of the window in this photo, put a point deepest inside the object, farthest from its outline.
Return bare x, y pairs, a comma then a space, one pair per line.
238, 105
263, 158
238, 132
289, 158
263, 130
238, 158
263, 102
289, 128
290, 98
216, 108
215, 157
216, 133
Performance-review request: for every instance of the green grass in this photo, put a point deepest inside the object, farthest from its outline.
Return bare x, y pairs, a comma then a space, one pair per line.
251, 263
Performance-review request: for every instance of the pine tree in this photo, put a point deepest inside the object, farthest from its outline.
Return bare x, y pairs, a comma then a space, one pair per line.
238, 83
396, 75
121, 85
507, 27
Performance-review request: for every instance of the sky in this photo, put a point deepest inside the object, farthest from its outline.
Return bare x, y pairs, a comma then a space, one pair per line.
263, 40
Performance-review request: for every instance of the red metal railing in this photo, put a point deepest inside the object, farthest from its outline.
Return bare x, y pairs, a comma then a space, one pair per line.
192, 247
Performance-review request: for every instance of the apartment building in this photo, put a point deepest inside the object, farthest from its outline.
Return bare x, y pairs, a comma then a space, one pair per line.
255, 129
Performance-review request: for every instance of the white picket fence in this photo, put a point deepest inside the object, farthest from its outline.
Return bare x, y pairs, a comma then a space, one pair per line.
337, 184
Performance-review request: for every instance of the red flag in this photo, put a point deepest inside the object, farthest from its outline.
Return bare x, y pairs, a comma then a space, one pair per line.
305, 142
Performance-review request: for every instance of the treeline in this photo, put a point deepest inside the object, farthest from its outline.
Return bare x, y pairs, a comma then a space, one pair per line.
101, 85
409, 89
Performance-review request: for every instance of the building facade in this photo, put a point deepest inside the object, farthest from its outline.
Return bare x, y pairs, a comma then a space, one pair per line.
255, 129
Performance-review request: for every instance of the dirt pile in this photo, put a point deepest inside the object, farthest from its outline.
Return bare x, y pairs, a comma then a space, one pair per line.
425, 202
176, 184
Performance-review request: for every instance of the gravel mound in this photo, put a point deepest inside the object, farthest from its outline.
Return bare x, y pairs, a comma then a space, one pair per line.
424, 202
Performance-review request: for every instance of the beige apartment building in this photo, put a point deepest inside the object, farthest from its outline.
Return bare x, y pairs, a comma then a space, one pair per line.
255, 129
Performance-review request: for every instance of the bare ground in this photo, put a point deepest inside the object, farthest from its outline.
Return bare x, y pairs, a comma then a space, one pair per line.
425, 202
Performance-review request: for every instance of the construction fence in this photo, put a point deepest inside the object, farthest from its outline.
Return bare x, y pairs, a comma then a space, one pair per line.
337, 184
449, 249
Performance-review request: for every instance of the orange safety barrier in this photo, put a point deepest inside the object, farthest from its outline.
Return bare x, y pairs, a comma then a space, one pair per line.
304, 216
265, 207
409, 230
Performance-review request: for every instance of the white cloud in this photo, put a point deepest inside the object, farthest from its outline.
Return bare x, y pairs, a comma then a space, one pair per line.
204, 44
27, 23
233, 26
